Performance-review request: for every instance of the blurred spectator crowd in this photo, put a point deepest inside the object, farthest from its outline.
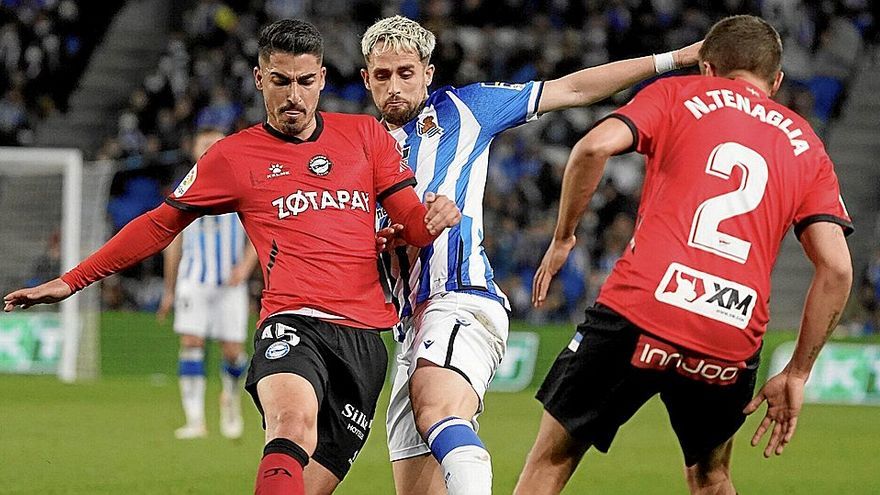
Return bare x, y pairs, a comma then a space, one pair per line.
44, 44
204, 79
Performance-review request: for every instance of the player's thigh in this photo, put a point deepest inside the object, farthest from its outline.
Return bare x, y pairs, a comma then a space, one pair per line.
230, 314
356, 368
192, 309
404, 440
460, 340
706, 415
418, 475
592, 387
288, 368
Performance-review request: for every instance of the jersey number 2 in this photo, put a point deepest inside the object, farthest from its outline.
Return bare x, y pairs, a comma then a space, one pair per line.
704, 229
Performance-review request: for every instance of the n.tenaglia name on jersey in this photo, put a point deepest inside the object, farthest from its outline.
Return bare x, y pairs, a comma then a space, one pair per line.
300, 201
721, 98
707, 295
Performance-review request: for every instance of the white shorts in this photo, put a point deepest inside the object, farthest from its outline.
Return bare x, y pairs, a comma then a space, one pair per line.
216, 312
462, 332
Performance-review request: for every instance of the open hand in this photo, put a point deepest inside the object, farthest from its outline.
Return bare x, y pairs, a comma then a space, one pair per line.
442, 213
784, 394
165, 306
51, 292
553, 260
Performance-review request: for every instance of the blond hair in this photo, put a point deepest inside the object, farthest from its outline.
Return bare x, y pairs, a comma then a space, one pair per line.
398, 34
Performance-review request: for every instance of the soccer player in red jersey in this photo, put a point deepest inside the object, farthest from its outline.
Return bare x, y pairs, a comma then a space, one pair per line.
684, 311
304, 184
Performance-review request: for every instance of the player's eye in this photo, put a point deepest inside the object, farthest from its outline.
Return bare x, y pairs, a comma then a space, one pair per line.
280, 81
406, 74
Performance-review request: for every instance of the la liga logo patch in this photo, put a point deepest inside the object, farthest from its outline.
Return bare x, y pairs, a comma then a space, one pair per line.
186, 182
320, 165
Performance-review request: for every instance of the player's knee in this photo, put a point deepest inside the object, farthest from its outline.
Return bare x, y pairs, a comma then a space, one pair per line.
189, 341
232, 352
704, 479
294, 424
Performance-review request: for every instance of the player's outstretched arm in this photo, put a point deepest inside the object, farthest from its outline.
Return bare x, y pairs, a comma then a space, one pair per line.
588, 86
582, 174
826, 247
142, 237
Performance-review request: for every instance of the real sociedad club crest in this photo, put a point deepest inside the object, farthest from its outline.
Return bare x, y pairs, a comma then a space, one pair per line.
429, 127
320, 165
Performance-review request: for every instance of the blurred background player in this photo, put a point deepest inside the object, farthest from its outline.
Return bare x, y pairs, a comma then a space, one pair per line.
210, 300
683, 314
457, 336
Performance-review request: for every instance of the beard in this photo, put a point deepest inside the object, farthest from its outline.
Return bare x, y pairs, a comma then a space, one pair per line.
401, 115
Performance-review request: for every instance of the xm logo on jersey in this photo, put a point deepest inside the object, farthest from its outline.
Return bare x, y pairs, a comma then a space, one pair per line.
300, 201
707, 295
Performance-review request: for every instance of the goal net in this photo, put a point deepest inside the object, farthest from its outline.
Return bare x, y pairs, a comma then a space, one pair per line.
54, 211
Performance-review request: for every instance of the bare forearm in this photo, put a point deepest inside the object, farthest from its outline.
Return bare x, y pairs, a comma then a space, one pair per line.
171, 258
582, 175
593, 84
825, 301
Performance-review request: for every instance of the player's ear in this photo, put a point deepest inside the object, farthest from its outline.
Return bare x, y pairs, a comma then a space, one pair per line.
323, 78
258, 78
365, 75
707, 69
777, 82
429, 74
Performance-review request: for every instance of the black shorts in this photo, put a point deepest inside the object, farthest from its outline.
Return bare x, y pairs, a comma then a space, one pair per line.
345, 365
595, 389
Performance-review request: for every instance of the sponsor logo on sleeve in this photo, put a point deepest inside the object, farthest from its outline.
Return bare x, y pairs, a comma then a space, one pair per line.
186, 182
504, 85
707, 295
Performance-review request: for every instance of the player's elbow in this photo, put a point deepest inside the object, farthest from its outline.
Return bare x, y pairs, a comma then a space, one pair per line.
837, 275
592, 146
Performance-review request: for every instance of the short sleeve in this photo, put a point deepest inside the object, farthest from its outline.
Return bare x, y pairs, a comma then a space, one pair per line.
498, 106
209, 187
822, 201
390, 172
647, 114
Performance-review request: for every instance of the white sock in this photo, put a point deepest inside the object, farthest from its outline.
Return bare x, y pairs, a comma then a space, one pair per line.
192, 384
467, 466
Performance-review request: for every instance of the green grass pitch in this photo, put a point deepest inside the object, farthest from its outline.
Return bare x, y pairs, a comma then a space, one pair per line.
115, 436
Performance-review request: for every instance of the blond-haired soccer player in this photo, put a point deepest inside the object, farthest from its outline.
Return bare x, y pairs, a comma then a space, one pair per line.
457, 330
728, 173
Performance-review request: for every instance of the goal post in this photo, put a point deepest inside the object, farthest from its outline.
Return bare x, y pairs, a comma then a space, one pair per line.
46, 193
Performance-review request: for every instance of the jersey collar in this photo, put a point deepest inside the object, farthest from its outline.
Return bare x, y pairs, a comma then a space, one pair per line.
319, 128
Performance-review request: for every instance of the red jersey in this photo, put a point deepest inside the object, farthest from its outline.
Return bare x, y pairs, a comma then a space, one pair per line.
728, 172
308, 207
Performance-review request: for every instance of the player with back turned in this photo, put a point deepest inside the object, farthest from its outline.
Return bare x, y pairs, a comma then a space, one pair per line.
456, 333
304, 184
684, 311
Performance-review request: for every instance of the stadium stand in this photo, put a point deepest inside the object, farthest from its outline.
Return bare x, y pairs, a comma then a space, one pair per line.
199, 74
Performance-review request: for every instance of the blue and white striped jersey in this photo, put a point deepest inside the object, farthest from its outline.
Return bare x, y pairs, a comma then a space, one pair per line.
212, 245
447, 146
